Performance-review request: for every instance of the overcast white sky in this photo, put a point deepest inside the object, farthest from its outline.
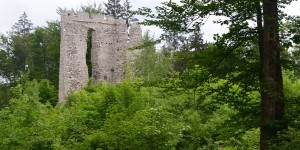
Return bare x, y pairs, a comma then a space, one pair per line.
40, 11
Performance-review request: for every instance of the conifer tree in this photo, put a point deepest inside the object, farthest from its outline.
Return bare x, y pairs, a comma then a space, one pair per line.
127, 14
23, 26
119, 11
14, 55
113, 8
20, 41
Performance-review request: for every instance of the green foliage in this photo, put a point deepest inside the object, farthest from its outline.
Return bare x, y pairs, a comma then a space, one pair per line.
45, 48
113, 8
291, 137
237, 56
47, 92
24, 49
125, 119
150, 65
37, 50
15, 50
227, 102
213, 103
92, 8
5, 95
117, 10
89, 52
292, 83
184, 49
122, 116
23, 121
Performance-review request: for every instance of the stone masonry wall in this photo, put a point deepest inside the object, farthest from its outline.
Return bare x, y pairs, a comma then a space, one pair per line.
109, 49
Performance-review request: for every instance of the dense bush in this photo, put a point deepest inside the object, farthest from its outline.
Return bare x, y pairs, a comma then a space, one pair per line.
108, 117
129, 115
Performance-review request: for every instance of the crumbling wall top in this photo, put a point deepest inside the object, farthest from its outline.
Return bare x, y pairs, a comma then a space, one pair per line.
79, 16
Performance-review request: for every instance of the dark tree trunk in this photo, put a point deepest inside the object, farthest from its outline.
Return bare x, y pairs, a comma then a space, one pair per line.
271, 87
260, 35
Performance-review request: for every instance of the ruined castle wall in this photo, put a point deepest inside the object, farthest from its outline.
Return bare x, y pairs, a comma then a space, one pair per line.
73, 71
135, 36
109, 50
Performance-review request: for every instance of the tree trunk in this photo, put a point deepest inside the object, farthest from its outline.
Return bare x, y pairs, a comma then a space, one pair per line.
272, 86
260, 35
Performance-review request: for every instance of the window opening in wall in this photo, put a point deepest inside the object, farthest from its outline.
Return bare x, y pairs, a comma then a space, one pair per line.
112, 74
89, 43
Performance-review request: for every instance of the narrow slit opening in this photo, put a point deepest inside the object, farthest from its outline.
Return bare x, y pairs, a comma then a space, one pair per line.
89, 43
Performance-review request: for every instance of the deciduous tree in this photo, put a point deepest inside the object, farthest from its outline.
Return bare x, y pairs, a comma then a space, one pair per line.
189, 15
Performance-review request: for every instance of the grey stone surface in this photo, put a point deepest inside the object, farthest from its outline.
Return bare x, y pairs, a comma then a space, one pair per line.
110, 43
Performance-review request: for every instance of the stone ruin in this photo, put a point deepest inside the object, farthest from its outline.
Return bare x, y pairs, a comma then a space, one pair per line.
110, 42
